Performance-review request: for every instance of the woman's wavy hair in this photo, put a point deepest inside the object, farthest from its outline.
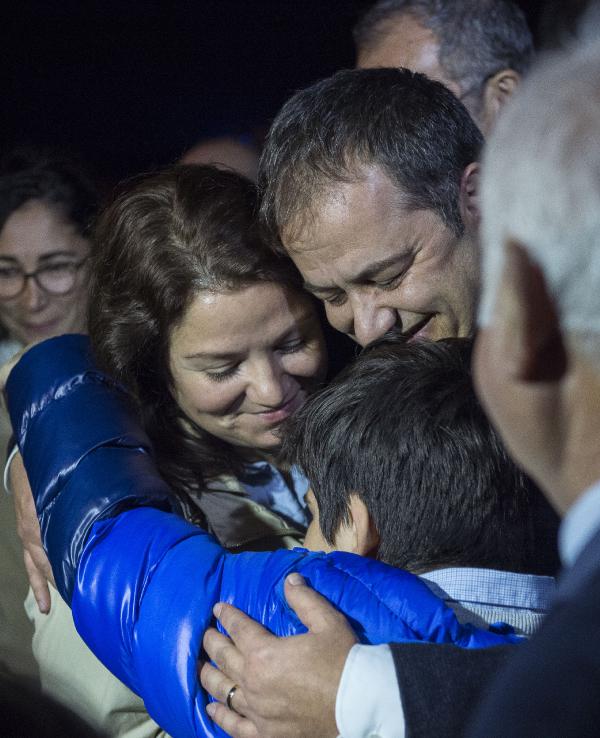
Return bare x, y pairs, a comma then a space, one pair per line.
165, 237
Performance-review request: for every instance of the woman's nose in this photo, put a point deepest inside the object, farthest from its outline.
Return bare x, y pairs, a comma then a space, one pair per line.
267, 383
33, 296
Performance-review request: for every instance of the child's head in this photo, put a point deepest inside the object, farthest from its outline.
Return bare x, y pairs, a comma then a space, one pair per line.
405, 466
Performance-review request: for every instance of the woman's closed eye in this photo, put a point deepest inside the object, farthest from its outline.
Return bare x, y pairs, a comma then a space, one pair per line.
289, 347
221, 375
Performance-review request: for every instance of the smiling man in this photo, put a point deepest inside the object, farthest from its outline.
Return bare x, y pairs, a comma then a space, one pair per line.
369, 183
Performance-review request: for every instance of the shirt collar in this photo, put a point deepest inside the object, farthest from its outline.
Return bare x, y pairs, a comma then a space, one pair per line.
579, 525
492, 587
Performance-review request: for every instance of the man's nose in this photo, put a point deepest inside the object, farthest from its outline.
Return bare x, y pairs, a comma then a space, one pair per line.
266, 386
372, 321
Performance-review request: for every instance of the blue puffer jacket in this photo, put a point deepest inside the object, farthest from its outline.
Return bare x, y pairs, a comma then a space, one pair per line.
142, 583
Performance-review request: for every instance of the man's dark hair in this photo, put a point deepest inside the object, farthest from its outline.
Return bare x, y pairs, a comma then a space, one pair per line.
403, 429
412, 128
477, 38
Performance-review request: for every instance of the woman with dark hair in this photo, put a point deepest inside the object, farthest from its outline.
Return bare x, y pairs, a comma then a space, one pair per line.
47, 206
217, 344
215, 339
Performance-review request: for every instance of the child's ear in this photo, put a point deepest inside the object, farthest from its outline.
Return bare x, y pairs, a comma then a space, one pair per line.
365, 538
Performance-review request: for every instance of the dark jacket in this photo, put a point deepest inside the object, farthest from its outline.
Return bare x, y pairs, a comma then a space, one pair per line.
549, 687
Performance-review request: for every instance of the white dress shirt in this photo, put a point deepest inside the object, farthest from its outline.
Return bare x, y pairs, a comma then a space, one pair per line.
579, 525
368, 701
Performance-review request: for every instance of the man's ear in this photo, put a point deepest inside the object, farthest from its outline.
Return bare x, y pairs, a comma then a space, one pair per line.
527, 319
365, 535
497, 92
468, 198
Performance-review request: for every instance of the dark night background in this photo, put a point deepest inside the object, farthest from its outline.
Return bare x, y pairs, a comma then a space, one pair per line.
130, 85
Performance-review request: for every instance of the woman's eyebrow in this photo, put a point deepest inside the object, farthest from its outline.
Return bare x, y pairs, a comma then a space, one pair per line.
42, 257
54, 254
298, 324
211, 355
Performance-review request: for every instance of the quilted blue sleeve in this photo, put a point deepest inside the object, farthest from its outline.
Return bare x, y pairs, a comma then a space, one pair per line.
54, 389
146, 585
382, 603
148, 580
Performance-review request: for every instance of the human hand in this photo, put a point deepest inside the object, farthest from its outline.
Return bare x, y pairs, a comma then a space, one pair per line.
286, 687
37, 565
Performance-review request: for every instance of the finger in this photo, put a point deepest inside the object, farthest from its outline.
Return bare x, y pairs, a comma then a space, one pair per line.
39, 584
232, 723
215, 682
42, 563
218, 685
224, 653
314, 611
246, 633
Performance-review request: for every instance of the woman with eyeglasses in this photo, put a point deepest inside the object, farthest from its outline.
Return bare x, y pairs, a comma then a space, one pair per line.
46, 209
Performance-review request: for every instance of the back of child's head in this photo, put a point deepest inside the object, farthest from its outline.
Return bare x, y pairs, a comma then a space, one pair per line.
402, 428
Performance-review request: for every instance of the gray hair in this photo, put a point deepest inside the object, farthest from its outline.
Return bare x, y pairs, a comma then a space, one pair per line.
541, 188
477, 38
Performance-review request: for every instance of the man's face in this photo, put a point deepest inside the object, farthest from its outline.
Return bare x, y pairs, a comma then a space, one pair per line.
410, 45
377, 264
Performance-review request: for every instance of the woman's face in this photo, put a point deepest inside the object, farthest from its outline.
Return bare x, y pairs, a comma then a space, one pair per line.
242, 362
35, 237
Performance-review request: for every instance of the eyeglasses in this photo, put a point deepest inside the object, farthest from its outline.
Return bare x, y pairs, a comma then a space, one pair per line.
55, 279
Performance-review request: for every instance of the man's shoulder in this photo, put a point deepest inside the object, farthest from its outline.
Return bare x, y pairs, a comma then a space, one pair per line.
550, 687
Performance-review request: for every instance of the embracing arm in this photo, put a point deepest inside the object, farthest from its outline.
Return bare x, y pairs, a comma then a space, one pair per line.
88, 460
53, 389
322, 683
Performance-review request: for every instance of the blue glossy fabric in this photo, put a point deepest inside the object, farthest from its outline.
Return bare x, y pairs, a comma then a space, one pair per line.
62, 408
146, 580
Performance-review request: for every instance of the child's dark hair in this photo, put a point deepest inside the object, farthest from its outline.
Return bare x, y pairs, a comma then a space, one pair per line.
403, 429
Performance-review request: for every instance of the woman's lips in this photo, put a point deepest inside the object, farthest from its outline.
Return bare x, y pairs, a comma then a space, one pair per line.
284, 411
42, 329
